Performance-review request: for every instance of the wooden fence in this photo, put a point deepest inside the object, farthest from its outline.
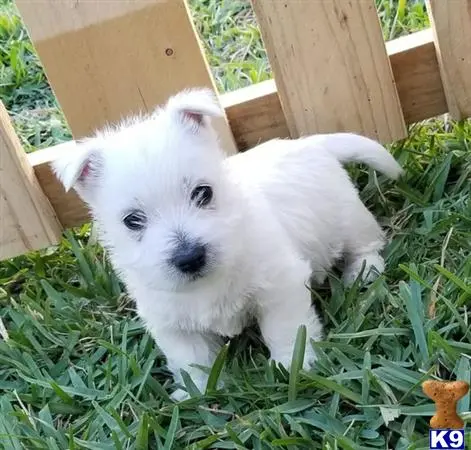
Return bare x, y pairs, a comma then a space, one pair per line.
333, 72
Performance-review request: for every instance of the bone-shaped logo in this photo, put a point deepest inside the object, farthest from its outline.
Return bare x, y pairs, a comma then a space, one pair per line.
446, 394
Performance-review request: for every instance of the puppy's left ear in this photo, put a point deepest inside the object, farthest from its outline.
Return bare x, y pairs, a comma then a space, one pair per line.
80, 168
194, 108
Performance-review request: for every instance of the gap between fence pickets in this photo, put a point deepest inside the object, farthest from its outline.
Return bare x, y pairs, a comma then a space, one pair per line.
255, 114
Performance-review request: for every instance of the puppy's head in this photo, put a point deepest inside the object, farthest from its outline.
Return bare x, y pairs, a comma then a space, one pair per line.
156, 188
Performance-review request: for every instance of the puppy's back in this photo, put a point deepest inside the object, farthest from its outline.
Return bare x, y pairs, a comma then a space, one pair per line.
308, 191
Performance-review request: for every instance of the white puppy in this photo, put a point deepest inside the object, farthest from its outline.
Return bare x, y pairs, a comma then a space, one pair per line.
204, 243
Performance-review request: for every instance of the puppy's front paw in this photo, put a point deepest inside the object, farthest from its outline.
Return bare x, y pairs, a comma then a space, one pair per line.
179, 395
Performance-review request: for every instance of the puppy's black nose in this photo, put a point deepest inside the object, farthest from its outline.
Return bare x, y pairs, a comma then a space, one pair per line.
189, 258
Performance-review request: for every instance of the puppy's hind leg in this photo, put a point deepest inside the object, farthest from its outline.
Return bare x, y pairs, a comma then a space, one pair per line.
283, 309
364, 242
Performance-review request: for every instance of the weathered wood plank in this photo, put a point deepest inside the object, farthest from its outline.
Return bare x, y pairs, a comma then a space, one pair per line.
331, 67
106, 60
255, 114
451, 24
415, 68
27, 221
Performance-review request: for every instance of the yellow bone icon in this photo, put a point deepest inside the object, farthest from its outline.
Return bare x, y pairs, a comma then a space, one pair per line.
445, 394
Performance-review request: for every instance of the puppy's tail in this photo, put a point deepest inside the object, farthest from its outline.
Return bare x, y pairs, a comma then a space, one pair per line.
348, 147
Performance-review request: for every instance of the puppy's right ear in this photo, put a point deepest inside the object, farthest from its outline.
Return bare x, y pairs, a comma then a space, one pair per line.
80, 168
194, 108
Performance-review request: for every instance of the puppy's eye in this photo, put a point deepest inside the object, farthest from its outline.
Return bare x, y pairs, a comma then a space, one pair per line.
202, 195
135, 220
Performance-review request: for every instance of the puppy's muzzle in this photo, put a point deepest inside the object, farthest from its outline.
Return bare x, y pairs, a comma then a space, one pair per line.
189, 258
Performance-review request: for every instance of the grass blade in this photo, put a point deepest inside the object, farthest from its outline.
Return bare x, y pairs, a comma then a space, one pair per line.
217, 369
413, 301
172, 429
297, 362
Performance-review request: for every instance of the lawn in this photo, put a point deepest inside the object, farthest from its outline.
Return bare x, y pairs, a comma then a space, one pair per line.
77, 370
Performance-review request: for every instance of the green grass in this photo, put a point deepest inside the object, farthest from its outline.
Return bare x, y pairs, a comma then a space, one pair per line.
77, 370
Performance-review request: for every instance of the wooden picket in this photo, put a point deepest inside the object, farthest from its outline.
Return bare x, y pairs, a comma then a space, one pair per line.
27, 221
331, 67
106, 60
451, 24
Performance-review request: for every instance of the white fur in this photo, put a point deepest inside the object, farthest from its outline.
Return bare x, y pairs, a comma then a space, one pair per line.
281, 212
